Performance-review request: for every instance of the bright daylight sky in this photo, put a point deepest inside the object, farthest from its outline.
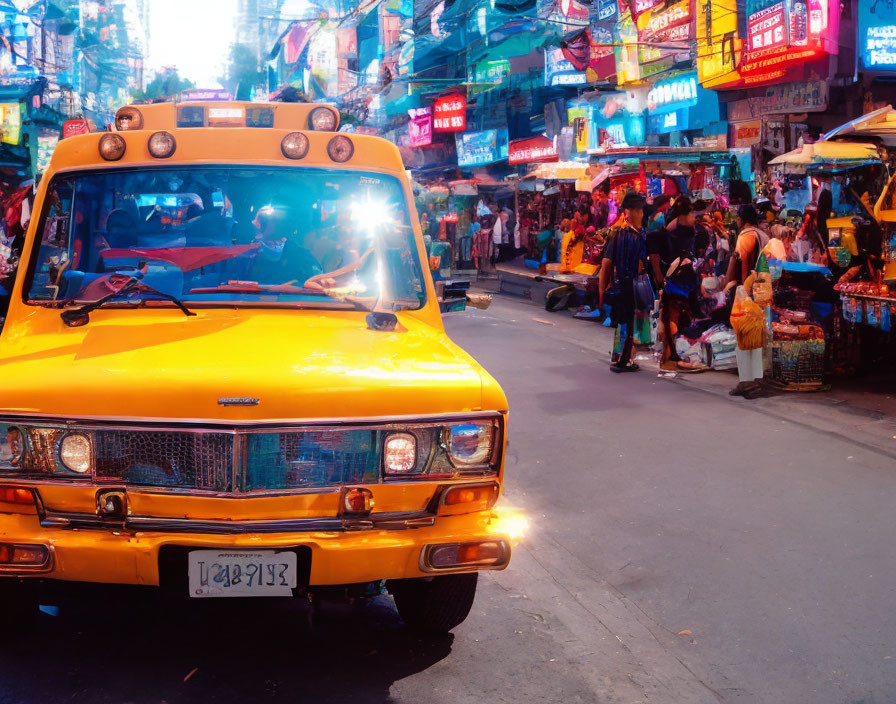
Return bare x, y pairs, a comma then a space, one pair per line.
194, 35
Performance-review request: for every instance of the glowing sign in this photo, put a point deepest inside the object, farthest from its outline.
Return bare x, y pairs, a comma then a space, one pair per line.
450, 114
765, 29
673, 94
10, 123
877, 35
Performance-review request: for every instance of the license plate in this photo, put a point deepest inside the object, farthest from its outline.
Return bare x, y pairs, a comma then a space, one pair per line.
218, 573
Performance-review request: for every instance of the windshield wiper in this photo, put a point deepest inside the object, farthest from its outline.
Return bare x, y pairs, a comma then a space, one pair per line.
287, 289
76, 317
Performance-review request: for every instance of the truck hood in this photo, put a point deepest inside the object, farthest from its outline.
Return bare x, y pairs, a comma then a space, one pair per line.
300, 365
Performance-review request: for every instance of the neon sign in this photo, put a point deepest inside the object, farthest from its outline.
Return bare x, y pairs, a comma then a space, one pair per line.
676, 93
877, 35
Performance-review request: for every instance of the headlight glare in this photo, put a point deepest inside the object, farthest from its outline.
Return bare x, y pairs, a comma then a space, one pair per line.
400, 453
470, 443
74, 453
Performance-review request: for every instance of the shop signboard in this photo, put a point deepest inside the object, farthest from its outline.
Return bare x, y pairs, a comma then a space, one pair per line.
560, 72
70, 128
603, 56
718, 42
10, 123
450, 113
664, 34
746, 134
877, 35
783, 35
766, 28
606, 10
532, 151
673, 94
578, 120
420, 127
488, 73
628, 60
807, 96
480, 148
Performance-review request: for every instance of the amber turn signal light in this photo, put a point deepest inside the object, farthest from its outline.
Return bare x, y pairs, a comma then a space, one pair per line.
16, 495
357, 501
467, 498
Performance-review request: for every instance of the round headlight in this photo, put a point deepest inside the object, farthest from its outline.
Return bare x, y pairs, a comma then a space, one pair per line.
112, 146
400, 453
340, 148
294, 145
128, 119
470, 443
13, 451
322, 120
162, 145
74, 452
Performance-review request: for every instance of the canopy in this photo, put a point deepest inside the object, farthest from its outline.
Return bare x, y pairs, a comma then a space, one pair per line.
879, 123
830, 156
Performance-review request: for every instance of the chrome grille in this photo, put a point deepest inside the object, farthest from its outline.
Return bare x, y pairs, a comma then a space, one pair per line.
168, 459
296, 460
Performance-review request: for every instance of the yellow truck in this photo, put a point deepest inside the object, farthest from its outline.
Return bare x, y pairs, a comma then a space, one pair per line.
225, 373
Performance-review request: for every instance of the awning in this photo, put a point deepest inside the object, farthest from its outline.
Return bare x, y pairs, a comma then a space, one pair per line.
828, 156
878, 121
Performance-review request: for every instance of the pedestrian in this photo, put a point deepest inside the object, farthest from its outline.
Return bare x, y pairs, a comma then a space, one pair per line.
661, 205
750, 242
624, 259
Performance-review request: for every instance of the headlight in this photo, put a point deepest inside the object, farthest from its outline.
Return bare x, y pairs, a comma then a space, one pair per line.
294, 145
470, 443
74, 453
162, 145
128, 118
12, 446
340, 148
322, 120
112, 146
399, 453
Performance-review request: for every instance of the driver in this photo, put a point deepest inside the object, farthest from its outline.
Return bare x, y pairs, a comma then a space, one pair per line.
279, 259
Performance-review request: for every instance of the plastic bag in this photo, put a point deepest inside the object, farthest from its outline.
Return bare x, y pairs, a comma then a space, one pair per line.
748, 321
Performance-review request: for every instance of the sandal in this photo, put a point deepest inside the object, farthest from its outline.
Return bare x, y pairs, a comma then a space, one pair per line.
630, 367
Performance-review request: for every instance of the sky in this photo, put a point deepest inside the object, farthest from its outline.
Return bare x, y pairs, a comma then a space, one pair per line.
194, 35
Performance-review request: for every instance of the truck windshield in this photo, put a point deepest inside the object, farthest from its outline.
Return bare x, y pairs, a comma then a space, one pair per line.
228, 235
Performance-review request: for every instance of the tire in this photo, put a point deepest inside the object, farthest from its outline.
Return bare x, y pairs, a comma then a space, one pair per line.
20, 606
437, 604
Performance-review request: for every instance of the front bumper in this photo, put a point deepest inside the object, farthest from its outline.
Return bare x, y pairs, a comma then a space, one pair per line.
115, 556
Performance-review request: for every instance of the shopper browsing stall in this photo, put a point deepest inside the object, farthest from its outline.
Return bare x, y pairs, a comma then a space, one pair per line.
624, 260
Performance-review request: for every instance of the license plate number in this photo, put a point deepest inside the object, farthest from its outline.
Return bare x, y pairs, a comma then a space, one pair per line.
218, 573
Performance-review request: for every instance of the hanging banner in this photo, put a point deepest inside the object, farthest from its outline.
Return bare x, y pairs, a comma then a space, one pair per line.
481, 148
450, 113
877, 35
532, 150
578, 120
628, 60
420, 127
718, 43
664, 34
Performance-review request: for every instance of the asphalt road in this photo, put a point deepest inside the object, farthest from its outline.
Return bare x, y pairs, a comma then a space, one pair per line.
683, 547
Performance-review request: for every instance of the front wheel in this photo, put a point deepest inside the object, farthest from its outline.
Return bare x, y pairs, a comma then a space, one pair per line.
436, 604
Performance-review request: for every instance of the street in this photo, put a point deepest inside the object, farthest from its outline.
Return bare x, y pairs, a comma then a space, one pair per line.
683, 547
